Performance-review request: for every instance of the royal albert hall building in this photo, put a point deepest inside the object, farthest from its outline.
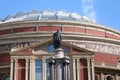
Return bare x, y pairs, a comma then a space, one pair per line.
26, 44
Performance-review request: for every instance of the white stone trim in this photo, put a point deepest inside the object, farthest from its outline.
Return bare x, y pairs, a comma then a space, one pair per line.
74, 70
78, 68
26, 69
11, 69
16, 70
102, 76
43, 69
93, 70
89, 69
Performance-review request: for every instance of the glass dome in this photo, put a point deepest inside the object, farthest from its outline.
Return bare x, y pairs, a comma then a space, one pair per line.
46, 15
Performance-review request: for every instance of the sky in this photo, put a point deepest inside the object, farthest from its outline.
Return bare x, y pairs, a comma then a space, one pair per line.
104, 12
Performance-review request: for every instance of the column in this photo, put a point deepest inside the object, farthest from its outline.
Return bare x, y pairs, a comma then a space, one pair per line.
78, 69
58, 66
102, 76
43, 69
66, 72
26, 70
51, 63
74, 70
116, 77
93, 70
16, 70
66, 63
11, 69
88, 67
52, 75
32, 70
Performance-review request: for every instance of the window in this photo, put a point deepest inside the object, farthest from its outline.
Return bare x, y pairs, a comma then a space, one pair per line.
47, 71
7, 78
51, 47
109, 78
38, 70
65, 48
69, 66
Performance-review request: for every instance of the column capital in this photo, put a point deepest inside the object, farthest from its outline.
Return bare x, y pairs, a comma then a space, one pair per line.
92, 60
88, 59
78, 58
31, 61
73, 59
44, 60
16, 60
27, 60
11, 60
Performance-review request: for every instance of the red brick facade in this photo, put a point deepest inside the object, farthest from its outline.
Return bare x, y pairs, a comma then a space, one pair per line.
108, 59
73, 29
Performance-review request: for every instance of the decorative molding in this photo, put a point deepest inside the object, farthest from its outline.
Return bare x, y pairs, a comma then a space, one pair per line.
99, 47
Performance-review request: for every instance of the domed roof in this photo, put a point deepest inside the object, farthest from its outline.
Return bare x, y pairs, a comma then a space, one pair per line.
46, 15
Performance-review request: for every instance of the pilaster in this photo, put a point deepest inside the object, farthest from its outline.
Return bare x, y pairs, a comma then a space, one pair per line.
11, 69
116, 77
26, 70
43, 69
32, 70
74, 70
78, 69
102, 76
16, 70
93, 70
88, 68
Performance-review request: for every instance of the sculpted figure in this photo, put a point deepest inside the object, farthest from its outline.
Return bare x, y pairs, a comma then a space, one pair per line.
57, 39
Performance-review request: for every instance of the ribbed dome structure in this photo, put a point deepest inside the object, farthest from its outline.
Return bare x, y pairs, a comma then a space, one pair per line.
46, 15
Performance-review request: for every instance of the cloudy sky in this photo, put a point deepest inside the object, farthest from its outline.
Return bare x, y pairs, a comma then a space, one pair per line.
105, 12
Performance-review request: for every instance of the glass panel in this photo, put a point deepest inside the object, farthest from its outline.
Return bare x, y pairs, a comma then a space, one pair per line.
32, 17
69, 67
47, 71
51, 47
65, 18
7, 78
48, 17
38, 63
38, 70
66, 49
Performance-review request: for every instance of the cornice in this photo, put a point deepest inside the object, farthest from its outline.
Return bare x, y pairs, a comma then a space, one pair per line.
107, 67
39, 36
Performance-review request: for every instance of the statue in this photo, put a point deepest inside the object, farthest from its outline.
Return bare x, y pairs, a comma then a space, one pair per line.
57, 39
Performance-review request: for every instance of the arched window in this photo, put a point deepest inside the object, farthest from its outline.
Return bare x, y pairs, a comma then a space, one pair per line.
109, 78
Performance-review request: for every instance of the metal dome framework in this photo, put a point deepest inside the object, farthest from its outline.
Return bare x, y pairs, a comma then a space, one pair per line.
46, 15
